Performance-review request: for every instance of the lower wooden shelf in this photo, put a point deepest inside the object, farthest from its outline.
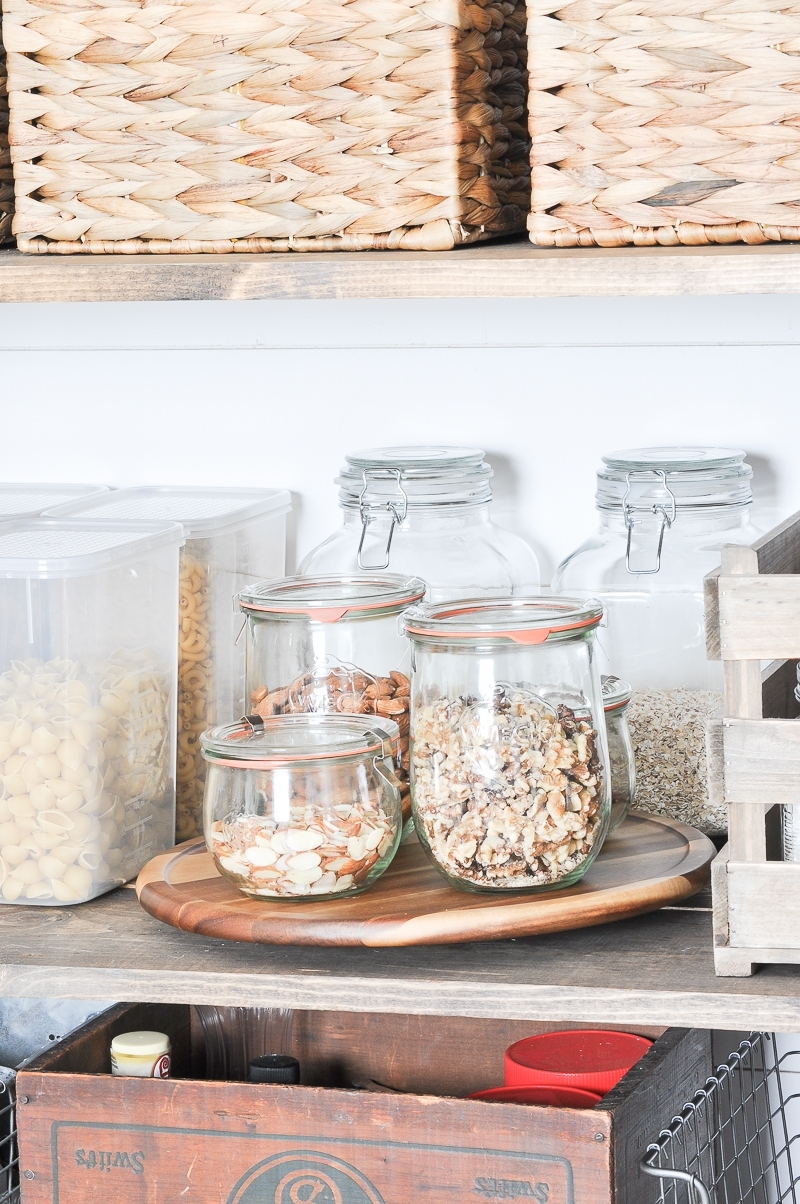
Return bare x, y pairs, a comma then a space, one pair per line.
510, 269
657, 969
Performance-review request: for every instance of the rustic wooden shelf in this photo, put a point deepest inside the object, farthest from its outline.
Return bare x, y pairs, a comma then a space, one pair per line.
655, 970
511, 269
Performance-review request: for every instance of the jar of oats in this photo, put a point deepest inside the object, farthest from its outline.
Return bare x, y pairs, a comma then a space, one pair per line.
302, 807
665, 513
331, 644
509, 767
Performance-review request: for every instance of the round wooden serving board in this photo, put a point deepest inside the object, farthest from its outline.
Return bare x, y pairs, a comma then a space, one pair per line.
648, 862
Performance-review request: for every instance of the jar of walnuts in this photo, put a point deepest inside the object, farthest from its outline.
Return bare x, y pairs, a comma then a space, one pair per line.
509, 766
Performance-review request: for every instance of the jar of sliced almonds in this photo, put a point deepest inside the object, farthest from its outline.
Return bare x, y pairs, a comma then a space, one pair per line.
331, 645
302, 806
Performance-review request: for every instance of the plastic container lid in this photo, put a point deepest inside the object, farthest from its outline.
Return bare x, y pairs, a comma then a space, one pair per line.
593, 1059
203, 513
547, 1097
696, 477
30, 501
616, 693
274, 1068
415, 476
293, 739
327, 599
143, 1044
502, 620
48, 547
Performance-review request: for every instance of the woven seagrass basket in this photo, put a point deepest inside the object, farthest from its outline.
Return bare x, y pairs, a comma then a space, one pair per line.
266, 125
664, 122
6, 179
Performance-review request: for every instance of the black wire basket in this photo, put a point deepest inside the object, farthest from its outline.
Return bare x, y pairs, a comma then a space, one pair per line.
732, 1143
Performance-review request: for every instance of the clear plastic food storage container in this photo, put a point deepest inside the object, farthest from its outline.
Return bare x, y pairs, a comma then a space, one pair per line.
331, 644
233, 536
509, 769
665, 513
87, 705
302, 806
31, 501
425, 511
616, 696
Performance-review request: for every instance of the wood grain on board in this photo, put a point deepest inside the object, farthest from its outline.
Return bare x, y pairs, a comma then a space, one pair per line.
513, 268
650, 861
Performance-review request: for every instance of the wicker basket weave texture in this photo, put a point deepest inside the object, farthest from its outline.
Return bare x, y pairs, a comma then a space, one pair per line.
664, 121
6, 178
220, 125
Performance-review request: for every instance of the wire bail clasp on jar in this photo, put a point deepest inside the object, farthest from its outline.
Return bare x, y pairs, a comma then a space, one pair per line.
665, 509
396, 507
384, 764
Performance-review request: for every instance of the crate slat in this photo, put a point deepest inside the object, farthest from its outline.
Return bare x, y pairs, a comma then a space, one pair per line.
761, 760
759, 618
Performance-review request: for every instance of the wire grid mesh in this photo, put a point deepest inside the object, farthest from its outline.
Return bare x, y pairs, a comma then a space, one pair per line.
9, 1164
733, 1142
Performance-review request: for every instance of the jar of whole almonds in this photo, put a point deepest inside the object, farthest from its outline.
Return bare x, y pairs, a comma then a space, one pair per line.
509, 769
331, 644
302, 806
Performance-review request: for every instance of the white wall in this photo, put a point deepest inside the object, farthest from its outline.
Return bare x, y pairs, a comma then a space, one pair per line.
276, 392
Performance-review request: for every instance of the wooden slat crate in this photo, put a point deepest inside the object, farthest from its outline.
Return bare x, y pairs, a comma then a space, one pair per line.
753, 615
88, 1138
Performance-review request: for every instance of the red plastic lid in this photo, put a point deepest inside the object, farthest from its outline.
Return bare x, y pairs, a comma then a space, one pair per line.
546, 1097
593, 1059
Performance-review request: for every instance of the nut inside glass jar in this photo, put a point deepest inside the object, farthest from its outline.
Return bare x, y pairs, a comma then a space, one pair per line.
509, 776
302, 807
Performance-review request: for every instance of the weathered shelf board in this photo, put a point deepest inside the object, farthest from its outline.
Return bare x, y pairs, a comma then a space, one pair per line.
649, 861
512, 268
657, 969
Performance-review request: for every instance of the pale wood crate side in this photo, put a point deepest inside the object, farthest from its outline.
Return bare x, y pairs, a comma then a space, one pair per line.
764, 906
759, 617
779, 550
761, 761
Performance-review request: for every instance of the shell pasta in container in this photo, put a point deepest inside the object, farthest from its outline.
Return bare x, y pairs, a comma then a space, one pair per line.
233, 536
88, 653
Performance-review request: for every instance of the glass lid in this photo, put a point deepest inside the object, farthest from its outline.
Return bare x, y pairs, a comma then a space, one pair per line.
518, 620
399, 477
256, 743
327, 599
616, 692
679, 477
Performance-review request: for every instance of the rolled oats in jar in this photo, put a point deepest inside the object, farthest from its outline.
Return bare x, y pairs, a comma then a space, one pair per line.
302, 807
509, 767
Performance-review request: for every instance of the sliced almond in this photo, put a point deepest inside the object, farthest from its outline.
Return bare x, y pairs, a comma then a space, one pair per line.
303, 861
300, 840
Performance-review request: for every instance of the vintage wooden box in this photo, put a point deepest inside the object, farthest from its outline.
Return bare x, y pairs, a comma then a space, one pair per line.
88, 1138
753, 616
